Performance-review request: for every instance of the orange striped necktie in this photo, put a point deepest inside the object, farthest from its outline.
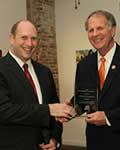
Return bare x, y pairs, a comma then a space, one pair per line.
102, 72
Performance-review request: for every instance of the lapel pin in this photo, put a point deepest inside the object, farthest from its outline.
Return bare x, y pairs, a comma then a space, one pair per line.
113, 66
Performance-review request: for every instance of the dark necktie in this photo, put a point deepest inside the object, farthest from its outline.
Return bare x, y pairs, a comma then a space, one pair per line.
102, 72
25, 66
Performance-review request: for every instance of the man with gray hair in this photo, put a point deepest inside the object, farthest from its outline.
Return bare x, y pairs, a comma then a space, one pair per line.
102, 70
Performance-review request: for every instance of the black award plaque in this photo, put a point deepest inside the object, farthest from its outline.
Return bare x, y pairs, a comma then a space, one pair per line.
85, 100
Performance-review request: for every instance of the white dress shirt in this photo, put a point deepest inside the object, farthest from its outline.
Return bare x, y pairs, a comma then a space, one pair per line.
32, 73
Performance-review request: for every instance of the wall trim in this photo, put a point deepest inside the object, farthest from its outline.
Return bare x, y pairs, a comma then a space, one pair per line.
74, 142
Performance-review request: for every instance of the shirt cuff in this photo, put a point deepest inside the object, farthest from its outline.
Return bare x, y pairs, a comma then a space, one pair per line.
107, 121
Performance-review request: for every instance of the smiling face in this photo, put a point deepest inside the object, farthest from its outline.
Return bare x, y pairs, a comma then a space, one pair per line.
24, 42
100, 34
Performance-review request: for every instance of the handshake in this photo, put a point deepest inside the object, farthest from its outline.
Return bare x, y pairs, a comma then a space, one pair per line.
85, 100
62, 112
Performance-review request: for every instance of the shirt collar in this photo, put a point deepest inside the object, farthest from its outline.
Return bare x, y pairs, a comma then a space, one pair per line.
19, 61
109, 55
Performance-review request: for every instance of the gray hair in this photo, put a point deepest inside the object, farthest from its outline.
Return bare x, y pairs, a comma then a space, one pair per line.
108, 16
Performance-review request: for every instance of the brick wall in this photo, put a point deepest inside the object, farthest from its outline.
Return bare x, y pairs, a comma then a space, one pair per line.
42, 14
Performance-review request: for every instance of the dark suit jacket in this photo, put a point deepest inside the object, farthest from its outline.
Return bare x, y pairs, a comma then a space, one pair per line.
102, 137
21, 117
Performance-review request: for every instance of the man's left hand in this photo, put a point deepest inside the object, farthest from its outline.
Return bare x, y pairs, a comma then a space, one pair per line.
98, 118
50, 146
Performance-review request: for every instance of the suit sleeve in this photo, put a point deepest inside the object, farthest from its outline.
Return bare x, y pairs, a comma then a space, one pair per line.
15, 112
114, 118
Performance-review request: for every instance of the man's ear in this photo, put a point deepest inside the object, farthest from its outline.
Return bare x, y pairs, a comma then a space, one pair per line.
11, 38
113, 31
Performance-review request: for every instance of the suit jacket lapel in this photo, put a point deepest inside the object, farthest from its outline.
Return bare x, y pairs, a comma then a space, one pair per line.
41, 80
94, 68
20, 76
114, 67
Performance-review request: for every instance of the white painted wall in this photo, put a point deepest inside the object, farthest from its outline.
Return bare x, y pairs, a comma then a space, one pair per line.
72, 36
10, 12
